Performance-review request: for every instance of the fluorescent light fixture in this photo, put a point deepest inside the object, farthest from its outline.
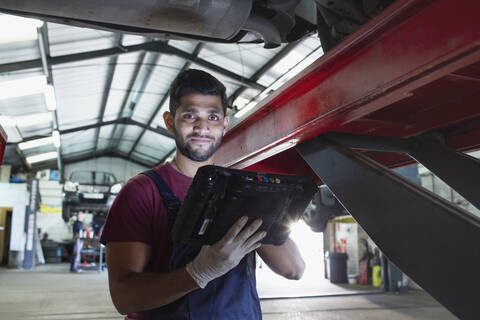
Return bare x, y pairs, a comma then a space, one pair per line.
300, 66
6, 121
29, 86
36, 143
22, 87
56, 138
42, 157
32, 119
290, 61
50, 100
19, 28
240, 102
293, 71
14, 136
245, 109
26, 121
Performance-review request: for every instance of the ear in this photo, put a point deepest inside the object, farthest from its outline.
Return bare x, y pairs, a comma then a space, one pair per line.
226, 122
169, 121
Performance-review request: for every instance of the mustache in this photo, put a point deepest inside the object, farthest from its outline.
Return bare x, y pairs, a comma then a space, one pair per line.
193, 135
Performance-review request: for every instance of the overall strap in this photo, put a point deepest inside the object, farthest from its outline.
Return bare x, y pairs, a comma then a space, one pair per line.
171, 202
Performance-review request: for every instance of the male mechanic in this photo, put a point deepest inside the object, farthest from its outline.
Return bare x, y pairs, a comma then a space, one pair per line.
152, 278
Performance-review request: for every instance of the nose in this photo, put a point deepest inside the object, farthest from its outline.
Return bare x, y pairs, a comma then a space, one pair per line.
201, 126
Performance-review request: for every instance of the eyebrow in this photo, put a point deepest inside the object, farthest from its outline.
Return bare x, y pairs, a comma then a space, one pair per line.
194, 110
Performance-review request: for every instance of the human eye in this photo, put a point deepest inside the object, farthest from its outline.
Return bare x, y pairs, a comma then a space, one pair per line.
213, 117
188, 116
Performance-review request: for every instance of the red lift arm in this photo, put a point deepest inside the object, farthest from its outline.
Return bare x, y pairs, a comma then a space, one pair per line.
3, 143
413, 69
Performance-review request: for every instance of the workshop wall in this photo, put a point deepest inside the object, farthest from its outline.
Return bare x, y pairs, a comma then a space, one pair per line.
122, 169
53, 224
15, 196
49, 217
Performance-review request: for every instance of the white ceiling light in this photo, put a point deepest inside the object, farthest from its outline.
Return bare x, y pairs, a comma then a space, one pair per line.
50, 98
245, 109
29, 86
36, 143
13, 135
56, 138
11, 124
19, 28
6, 121
42, 157
240, 102
32, 119
293, 71
22, 87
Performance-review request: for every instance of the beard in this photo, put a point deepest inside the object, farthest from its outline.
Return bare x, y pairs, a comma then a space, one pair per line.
196, 155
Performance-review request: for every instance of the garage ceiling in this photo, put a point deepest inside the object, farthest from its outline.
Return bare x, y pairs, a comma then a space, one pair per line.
110, 90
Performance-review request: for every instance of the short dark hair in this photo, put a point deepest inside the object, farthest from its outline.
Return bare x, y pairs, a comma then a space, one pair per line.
195, 81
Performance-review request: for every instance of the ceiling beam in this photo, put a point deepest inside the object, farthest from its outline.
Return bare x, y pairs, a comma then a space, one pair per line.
140, 81
44, 46
76, 57
153, 46
143, 155
83, 156
108, 86
123, 120
195, 52
25, 165
102, 153
168, 49
123, 156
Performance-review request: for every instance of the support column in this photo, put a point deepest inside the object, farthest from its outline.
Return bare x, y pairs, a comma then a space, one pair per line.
432, 241
460, 171
31, 226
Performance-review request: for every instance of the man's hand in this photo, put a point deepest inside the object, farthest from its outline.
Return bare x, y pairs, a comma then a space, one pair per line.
216, 260
134, 290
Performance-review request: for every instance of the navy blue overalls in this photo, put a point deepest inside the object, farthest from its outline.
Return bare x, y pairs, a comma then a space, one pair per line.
232, 296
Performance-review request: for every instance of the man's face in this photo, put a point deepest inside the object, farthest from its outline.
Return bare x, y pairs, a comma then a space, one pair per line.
198, 126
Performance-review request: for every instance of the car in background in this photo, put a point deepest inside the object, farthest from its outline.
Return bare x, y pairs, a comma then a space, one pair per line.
92, 191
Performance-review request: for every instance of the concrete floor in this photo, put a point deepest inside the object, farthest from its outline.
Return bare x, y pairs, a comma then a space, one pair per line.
312, 283
52, 293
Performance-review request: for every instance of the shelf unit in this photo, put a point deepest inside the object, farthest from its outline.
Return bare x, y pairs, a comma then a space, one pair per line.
91, 255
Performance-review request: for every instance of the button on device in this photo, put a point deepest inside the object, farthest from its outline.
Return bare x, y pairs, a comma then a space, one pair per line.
277, 180
272, 180
260, 179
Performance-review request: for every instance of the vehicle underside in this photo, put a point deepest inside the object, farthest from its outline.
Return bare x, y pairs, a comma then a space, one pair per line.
270, 21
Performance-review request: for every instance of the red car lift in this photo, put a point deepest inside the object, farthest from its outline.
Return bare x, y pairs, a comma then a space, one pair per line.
3, 143
404, 87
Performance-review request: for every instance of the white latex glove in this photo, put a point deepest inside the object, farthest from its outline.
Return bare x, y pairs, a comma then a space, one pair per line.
219, 258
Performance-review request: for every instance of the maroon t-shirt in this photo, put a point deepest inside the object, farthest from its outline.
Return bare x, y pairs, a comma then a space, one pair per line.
138, 214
